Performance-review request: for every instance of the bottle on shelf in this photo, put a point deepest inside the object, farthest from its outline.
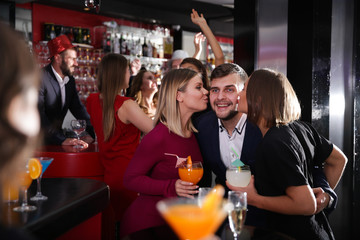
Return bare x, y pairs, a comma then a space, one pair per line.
149, 49
122, 42
52, 32
145, 49
116, 43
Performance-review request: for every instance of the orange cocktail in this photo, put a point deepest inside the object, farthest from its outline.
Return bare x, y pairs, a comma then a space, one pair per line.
10, 191
191, 221
191, 173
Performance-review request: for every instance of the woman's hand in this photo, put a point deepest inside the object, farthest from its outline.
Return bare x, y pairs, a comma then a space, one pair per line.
196, 19
185, 189
249, 189
322, 199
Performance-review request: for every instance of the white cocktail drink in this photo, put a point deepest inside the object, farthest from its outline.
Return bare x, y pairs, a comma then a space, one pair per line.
238, 176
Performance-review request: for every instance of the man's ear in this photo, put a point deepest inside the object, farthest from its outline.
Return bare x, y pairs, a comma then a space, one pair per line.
57, 58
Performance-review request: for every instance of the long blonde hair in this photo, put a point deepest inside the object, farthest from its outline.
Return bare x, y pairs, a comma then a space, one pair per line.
168, 111
270, 96
111, 80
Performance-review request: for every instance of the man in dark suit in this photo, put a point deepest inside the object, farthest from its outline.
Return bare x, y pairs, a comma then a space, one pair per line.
58, 94
224, 130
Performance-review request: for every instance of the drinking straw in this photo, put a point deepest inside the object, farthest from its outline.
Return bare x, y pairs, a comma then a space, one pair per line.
237, 155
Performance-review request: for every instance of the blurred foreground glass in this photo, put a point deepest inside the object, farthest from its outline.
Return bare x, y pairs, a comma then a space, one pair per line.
238, 176
237, 215
10, 191
24, 181
191, 220
45, 162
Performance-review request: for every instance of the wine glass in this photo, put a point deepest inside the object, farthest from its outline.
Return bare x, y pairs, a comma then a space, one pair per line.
237, 214
45, 162
24, 178
78, 126
192, 172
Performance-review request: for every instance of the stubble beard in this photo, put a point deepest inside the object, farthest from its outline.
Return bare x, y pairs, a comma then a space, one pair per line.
65, 69
230, 116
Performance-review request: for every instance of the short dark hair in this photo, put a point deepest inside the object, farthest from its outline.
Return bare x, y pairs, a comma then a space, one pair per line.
227, 69
201, 69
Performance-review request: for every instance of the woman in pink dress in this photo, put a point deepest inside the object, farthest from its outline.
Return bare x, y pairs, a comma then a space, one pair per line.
117, 121
151, 172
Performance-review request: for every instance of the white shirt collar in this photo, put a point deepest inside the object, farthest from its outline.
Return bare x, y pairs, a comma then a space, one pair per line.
61, 81
239, 126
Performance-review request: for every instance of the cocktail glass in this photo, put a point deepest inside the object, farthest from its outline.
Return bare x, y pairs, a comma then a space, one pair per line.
191, 172
10, 191
24, 180
45, 162
237, 214
78, 126
191, 221
238, 176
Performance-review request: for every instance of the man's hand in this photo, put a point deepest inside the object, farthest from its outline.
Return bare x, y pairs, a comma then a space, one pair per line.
322, 199
74, 141
87, 138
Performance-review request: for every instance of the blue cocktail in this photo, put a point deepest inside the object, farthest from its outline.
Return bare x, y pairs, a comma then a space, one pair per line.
45, 162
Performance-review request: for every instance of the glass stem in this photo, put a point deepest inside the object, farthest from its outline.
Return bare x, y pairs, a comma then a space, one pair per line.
25, 200
38, 186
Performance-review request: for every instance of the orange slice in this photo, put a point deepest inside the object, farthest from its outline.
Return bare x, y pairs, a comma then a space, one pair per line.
213, 199
35, 168
189, 162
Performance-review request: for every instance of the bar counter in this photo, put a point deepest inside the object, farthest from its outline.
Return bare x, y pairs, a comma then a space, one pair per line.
73, 162
70, 202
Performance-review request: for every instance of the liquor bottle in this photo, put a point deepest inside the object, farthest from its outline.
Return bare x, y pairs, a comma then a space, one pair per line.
116, 43
150, 49
145, 49
122, 44
107, 42
89, 38
70, 34
52, 32
79, 36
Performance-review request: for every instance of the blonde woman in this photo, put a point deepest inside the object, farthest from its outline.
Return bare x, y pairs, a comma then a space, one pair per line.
153, 174
117, 121
143, 90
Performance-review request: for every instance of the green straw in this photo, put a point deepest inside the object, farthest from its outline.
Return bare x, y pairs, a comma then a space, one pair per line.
237, 155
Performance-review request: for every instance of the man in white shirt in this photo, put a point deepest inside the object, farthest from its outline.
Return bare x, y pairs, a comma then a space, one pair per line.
58, 94
225, 135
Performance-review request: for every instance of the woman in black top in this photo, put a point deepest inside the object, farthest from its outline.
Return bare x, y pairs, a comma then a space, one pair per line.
290, 149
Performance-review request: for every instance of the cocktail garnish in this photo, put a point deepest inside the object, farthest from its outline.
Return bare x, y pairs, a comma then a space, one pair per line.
189, 162
237, 163
35, 168
213, 199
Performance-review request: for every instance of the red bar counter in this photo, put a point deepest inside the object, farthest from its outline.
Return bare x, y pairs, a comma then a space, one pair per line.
73, 162
70, 162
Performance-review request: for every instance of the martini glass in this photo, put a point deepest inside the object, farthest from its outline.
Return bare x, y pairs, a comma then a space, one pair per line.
45, 162
24, 178
191, 221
